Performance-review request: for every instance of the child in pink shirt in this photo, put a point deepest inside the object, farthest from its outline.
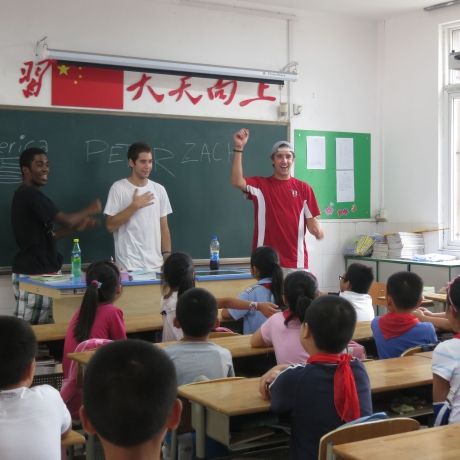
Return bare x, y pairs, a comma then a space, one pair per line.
282, 330
97, 318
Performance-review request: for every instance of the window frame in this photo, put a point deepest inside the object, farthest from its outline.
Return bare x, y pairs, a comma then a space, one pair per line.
450, 183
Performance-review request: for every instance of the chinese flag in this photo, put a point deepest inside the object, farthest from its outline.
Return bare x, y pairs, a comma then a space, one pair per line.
82, 86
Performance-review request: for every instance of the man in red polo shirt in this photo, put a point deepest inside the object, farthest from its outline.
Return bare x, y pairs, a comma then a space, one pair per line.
284, 207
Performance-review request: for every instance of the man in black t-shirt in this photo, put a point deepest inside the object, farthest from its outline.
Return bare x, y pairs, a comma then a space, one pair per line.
33, 216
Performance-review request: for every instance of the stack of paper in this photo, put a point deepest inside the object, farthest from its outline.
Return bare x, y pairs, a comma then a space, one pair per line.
380, 250
405, 245
435, 257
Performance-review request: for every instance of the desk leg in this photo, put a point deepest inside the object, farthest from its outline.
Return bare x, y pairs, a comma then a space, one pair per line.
199, 422
94, 450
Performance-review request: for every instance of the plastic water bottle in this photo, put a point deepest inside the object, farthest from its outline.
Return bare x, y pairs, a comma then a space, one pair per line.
214, 250
76, 259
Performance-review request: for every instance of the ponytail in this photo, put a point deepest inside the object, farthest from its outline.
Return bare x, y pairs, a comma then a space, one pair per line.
298, 312
277, 285
102, 282
300, 289
266, 260
178, 274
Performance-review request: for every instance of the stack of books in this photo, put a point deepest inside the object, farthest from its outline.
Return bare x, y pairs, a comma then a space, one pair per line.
380, 250
405, 245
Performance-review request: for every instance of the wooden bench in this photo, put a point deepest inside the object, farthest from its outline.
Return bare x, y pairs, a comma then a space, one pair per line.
134, 324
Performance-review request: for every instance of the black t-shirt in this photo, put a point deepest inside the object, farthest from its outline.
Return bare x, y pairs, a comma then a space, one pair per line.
32, 215
305, 394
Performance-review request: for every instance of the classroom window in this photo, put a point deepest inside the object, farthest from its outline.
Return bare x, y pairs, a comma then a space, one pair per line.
455, 163
453, 45
451, 128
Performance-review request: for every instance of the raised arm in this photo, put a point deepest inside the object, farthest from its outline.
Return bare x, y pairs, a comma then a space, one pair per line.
112, 223
240, 138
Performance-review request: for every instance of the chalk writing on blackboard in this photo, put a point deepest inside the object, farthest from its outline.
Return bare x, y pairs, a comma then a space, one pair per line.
10, 173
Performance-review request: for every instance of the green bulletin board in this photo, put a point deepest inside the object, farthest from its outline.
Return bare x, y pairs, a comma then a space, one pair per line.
338, 169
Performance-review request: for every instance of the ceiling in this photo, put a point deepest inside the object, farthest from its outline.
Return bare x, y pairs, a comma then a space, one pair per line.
370, 9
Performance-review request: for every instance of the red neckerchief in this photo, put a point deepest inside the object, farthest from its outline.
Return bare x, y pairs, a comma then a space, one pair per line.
456, 336
395, 324
266, 285
345, 395
287, 313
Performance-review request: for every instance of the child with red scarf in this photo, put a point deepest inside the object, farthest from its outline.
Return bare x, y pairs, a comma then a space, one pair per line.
400, 329
332, 388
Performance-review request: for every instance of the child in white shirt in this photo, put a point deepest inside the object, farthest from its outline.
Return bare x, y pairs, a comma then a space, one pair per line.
32, 420
354, 286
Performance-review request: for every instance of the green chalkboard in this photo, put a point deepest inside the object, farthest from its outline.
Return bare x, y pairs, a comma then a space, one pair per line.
338, 167
87, 153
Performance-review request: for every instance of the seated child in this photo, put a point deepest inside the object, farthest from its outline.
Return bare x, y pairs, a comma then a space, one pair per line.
195, 357
266, 269
32, 420
399, 329
130, 399
354, 286
330, 389
178, 277
446, 362
97, 317
282, 329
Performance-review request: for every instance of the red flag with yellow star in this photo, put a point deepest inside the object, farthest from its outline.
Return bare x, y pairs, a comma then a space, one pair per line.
83, 86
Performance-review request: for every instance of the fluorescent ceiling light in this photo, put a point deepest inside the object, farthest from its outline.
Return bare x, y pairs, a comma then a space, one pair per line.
172, 67
442, 5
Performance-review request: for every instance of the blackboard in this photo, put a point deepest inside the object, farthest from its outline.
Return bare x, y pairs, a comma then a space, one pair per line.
324, 180
87, 153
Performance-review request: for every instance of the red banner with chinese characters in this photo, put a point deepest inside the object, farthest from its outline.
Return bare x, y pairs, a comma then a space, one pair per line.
79, 86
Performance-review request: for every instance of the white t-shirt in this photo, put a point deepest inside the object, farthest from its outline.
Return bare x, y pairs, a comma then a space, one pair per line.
138, 241
168, 311
32, 421
446, 364
362, 303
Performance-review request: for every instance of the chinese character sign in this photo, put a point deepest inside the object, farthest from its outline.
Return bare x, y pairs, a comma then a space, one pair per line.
86, 86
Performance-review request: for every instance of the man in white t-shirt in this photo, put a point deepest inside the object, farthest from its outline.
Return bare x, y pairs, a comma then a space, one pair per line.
137, 214
285, 207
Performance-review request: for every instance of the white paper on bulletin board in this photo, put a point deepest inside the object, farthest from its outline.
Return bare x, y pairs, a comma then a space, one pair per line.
316, 152
345, 186
344, 153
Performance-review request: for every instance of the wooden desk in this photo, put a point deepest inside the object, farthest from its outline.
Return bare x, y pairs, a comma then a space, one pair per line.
363, 331
214, 403
134, 324
424, 354
398, 373
435, 297
72, 438
441, 443
239, 346
137, 298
